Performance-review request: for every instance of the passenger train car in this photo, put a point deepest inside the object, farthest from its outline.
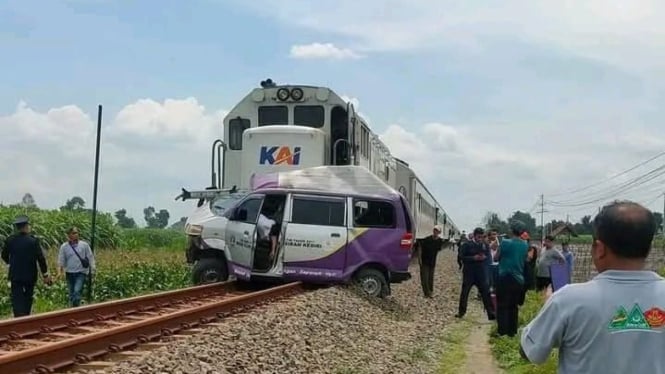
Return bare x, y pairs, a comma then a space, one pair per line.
290, 127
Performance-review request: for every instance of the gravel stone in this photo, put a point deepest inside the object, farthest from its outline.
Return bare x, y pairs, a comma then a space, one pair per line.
332, 330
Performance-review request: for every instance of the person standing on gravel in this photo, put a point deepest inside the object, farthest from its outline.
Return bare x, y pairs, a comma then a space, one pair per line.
77, 262
429, 248
613, 323
512, 256
473, 254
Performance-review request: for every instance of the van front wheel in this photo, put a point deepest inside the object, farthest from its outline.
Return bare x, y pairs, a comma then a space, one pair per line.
209, 270
372, 282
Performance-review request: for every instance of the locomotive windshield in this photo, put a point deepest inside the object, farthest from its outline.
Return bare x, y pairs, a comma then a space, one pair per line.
273, 115
309, 115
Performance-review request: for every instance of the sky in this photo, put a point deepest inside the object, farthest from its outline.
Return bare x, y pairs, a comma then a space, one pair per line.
492, 103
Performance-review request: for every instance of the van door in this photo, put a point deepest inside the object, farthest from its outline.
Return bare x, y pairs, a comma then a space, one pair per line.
240, 235
315, 238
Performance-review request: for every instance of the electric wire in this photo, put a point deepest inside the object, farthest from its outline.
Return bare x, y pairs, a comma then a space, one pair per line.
608, 178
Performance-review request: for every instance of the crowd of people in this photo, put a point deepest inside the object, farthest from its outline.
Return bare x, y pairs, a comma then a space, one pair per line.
613, 323
23, 253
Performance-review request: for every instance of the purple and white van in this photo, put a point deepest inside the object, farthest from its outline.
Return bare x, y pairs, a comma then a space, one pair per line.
326, 224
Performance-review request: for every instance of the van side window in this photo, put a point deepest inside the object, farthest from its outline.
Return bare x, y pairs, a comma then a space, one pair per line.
313, 211
236, 127
373, 213
253, 206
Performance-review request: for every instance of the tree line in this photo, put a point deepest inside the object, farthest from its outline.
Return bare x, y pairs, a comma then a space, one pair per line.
156, 219
582, 227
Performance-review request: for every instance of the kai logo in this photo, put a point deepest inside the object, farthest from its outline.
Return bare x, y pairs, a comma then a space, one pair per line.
278, 155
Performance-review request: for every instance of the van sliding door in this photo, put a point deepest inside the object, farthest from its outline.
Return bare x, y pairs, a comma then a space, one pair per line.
315, 238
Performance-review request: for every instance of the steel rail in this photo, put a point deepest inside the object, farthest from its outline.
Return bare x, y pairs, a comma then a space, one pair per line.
51, 357
24, 327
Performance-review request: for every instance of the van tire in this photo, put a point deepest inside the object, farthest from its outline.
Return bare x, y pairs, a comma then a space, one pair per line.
209, 270
372, 282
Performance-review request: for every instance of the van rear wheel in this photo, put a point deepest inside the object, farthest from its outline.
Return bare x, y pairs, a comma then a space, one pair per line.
209, 270
372, 282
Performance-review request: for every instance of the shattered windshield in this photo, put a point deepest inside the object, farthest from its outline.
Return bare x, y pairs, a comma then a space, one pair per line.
221, 204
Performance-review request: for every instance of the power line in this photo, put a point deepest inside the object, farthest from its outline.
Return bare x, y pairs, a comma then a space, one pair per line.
614, 191
609, 178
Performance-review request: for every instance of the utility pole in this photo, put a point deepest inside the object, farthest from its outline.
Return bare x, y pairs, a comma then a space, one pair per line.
542, 217
664, 214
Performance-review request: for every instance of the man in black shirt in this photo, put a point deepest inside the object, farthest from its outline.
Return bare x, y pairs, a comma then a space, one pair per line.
429, 248
22, 252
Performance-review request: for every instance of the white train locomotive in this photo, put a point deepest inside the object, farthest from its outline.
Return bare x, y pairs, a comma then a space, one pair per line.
288, 127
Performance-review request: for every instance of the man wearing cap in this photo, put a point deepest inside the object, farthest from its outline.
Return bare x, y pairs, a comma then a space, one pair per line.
429, 248
22, 252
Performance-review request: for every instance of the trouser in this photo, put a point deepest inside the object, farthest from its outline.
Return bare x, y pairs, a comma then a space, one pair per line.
542, 283
75, 282
508, 294
474, 275
427, 278
22, 296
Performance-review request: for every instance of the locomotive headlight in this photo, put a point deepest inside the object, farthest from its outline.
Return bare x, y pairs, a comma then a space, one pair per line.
296, 94
282, 94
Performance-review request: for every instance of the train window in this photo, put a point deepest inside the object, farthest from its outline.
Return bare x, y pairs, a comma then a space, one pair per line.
313, 211
273, 115
369, 213
236, 127
309, 115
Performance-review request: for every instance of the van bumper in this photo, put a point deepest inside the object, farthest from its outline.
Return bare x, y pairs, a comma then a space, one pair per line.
399, 276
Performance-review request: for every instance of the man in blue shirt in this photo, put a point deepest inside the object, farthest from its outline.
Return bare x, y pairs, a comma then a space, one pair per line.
473, 254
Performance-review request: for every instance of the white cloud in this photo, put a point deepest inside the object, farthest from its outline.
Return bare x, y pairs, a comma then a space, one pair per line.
630, 34
475, 168
149, 150
322, 51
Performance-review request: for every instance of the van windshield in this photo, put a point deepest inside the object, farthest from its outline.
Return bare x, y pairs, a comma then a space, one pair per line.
221, 204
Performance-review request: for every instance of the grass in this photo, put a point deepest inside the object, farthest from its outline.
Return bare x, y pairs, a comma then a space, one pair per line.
454, 351
507, 350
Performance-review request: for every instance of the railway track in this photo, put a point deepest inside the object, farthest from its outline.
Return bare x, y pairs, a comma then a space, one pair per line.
51, 342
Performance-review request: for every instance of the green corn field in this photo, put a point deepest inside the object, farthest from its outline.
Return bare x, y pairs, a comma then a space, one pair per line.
130, 262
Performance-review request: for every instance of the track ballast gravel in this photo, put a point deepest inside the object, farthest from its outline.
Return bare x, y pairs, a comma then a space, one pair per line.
332, 330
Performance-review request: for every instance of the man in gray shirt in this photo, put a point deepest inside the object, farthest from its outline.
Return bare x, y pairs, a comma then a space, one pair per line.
77, 261
549, 256
614, 323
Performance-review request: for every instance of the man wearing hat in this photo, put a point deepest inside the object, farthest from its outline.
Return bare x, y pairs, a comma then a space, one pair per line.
429, 248
22, 252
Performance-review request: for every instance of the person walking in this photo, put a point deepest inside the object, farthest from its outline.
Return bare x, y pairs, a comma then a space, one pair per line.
613, 323
473, 254
512, 256
77, 262
429, 248
23, 252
